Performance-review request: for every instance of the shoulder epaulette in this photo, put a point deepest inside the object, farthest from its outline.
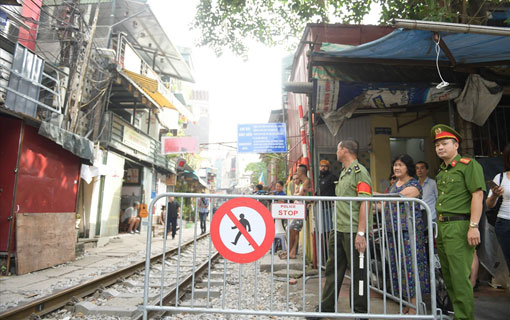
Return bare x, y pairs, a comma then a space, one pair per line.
465, 160
357, 169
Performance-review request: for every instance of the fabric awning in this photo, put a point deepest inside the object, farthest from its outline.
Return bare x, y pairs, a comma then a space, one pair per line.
192, 175
160, 95
399, 69
418, 45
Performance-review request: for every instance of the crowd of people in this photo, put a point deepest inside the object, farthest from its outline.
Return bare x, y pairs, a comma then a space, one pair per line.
455, 200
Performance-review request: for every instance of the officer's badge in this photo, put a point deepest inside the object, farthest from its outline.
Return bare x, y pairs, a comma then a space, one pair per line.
465, 160
357, 169
438, 130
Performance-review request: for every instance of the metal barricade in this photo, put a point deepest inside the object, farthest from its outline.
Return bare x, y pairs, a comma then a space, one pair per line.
395, 273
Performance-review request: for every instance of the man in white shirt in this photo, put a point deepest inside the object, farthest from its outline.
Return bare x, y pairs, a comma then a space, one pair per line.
131, 218
428, 185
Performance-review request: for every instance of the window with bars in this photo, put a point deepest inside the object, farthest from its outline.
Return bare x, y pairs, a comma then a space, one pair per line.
491, 138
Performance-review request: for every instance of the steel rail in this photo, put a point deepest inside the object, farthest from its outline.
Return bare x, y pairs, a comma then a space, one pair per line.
57, 300
170, 295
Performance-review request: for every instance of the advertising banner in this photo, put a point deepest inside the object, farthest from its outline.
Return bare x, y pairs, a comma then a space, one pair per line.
173, 145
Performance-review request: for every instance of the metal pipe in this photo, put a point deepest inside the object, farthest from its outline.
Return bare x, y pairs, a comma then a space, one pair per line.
209, 273
153, 202
298, 87
194, 253
450, 27
304, 270
12, 218
165, 234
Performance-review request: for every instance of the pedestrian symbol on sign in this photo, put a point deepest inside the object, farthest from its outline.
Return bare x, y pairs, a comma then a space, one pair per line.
246, 225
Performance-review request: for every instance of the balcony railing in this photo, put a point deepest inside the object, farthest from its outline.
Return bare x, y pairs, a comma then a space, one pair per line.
123, 136
32, 83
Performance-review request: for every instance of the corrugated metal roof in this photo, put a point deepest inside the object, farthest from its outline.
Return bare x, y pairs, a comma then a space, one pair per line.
150, 40
137, 21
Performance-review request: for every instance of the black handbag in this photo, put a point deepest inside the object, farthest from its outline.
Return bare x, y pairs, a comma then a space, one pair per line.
492, 213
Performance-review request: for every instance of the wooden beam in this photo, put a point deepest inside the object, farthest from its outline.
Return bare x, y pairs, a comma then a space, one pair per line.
317, 60
445, 48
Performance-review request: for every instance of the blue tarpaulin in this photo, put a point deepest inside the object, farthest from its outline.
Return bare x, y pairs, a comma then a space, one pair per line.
418, 45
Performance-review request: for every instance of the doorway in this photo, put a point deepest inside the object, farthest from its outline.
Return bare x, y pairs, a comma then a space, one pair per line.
414, 147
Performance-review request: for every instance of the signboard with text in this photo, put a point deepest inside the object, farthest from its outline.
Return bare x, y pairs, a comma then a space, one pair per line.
262, 138
288, 210
172, 145
138, 142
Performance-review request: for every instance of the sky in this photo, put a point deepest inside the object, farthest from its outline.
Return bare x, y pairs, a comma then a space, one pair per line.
240, 92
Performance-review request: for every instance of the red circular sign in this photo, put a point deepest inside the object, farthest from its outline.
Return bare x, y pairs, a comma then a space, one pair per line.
242, 230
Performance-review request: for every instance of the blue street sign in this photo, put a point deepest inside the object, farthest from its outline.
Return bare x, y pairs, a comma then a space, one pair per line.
261, 138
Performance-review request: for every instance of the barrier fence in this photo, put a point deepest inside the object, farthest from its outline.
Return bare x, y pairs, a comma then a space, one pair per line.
392, 279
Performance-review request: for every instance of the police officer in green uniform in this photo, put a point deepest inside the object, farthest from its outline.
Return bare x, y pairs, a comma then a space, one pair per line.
354, 181
460, 185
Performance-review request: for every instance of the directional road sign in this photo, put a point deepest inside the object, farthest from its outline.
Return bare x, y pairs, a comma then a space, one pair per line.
242, 230
261, 138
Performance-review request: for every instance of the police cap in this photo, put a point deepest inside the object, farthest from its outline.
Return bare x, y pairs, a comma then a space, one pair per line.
442, 131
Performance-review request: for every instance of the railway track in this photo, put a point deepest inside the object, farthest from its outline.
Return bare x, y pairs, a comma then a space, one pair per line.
124, 287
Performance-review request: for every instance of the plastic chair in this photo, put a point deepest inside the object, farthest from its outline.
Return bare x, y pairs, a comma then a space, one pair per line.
279, 236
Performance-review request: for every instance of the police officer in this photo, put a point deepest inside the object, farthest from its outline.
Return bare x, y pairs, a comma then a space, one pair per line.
460, 184
354, 181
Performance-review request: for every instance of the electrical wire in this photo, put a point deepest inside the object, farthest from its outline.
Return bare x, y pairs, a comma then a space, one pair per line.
101, 93
48, 14
36, 24
438, 50
79, 35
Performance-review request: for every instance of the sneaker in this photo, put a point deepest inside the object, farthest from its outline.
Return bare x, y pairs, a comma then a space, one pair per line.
131, 232
137, 231
495, 284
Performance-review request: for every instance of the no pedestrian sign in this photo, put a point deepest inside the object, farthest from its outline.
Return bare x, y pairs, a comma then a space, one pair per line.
242, 230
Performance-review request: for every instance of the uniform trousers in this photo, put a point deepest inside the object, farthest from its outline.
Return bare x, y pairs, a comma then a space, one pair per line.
456, 257
329, 296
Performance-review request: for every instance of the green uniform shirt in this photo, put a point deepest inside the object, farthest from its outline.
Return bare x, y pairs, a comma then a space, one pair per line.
455, 184
353, 181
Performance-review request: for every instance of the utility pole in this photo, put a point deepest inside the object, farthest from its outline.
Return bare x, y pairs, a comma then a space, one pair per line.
74, 111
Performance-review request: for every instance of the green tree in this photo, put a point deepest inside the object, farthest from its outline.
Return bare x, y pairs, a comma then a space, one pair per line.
256, 169
233, 24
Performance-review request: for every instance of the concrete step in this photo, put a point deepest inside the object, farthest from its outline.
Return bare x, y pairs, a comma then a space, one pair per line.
83, 244
202, 293
90, 309
213, 283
